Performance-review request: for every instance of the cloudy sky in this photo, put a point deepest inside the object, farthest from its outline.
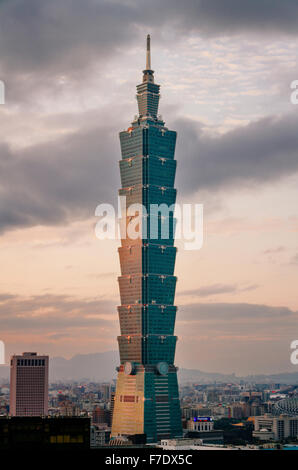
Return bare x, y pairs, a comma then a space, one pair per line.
225, 67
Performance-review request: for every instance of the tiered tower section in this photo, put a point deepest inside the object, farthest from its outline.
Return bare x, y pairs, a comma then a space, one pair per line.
147, 398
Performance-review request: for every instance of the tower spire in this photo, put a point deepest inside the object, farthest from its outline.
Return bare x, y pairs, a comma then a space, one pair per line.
148, 73
148, 54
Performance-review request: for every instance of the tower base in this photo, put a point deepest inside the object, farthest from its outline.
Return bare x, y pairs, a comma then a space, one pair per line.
147, 402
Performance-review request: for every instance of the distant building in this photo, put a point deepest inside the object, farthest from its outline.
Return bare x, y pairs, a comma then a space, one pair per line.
278, 427
112, 404
189, 412
202, 429
100, 436
235, 411
288, 406
29, 375
134, 440
106, 391
264, 435
256, 409
100, 415
200, 424
188, 444
67, 408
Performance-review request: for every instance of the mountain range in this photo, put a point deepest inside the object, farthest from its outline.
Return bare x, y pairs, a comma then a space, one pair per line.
101, 367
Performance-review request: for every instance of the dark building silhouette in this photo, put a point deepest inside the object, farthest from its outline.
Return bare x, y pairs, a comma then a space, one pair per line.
44, 433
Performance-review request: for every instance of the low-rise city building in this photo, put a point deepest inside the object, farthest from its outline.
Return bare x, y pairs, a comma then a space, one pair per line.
278, 427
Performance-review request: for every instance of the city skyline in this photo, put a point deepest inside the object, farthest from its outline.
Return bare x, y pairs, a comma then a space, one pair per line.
226, 90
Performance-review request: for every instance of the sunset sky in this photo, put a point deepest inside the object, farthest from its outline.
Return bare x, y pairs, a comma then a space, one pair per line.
225, 68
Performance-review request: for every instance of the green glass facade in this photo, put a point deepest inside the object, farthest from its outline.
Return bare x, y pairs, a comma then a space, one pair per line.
147, 398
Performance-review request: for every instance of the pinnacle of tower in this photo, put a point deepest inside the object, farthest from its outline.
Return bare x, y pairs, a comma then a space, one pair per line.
148, 73
148, 91
148, 55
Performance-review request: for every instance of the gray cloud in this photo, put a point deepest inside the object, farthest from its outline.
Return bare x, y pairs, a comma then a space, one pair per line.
58, 313
294, 260
238, 337
4, 297
242, 337
42, 41
66, 36
61, 35
227, 312
272, 251
216, 289
213, 289
63, 180
44, 32
232, 16
262, 151
58, 181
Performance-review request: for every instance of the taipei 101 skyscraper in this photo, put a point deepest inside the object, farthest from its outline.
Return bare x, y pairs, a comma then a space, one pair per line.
147, 397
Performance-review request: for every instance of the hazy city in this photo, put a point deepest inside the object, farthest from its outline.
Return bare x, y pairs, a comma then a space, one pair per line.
214, 413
